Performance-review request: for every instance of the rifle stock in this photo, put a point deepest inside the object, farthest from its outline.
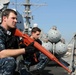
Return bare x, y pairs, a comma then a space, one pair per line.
27, 40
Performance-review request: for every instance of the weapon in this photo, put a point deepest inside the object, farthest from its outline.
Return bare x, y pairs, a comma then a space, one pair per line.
27, 40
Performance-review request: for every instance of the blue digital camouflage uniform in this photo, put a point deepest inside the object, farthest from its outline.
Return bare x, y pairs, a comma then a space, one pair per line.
7, 40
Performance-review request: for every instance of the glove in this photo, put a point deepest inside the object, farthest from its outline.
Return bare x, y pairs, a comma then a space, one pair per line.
30, 48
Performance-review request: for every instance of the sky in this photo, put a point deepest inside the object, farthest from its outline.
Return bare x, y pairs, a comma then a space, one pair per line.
59, 13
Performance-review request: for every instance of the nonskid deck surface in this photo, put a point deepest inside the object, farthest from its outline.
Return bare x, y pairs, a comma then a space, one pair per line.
54, 69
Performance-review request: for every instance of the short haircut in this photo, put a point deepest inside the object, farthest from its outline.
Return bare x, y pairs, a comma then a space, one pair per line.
34, 29
6, 13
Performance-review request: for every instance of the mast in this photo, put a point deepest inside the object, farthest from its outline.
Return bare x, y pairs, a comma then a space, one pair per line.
27, 15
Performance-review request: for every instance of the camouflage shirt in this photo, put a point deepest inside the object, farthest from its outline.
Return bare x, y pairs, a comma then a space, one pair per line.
7, 39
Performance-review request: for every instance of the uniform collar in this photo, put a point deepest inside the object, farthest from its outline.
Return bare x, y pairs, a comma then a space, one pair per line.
5, 31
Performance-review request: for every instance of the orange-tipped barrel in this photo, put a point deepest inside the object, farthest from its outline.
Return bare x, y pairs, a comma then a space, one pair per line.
27, 40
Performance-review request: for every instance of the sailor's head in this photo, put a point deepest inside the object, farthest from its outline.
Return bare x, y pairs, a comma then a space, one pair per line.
9, 18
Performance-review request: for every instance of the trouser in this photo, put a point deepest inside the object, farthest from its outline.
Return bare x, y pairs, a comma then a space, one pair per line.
23, 68
43, 61
38, 67
26, 69
7, 66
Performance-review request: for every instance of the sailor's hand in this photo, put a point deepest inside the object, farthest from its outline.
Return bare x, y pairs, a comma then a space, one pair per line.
29, 49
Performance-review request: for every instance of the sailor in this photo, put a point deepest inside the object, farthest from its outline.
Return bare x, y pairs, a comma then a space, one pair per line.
38, 60
42, 60
9, 43
35, 33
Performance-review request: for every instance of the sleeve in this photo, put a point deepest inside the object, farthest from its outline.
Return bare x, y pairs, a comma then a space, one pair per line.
2, 41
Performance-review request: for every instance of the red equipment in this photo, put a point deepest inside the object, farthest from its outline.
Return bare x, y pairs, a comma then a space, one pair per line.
27, 40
